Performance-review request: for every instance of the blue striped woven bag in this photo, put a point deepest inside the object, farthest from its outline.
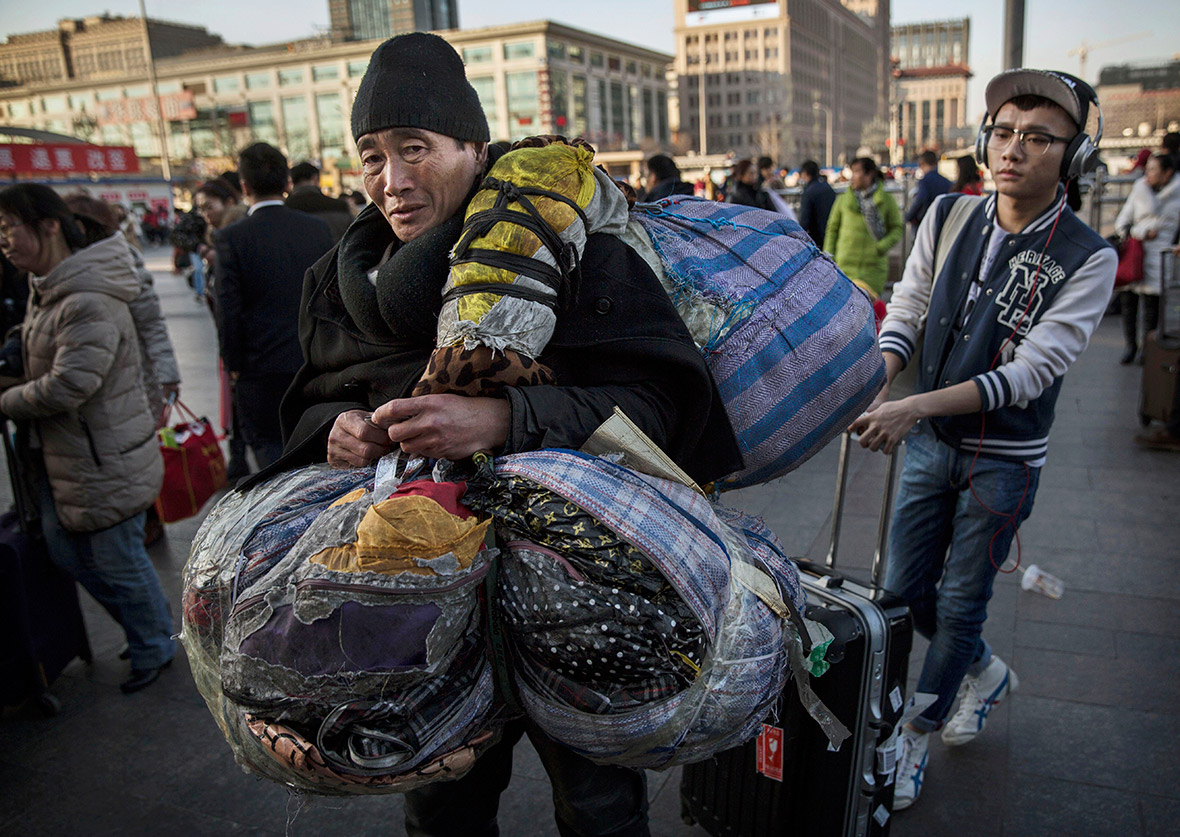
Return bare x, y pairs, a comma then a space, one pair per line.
789, 339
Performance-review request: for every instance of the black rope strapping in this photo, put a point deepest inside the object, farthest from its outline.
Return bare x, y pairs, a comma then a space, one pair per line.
563, 279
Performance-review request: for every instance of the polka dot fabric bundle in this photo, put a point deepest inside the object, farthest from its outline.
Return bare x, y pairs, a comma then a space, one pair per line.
631, 641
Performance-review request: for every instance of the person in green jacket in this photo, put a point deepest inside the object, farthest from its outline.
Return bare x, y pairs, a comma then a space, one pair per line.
863, 226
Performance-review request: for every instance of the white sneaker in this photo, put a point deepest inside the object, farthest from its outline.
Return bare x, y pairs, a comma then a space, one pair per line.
978, 696
913, 751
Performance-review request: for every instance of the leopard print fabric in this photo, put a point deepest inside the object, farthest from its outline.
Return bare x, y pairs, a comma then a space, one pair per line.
480, 372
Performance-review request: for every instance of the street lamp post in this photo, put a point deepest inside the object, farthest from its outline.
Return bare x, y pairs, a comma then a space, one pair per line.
828, 137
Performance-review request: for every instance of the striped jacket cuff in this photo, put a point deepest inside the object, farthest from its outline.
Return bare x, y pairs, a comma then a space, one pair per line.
994, 390
898, 343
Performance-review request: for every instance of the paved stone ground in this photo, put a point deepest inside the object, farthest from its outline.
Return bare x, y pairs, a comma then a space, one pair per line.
1087, 746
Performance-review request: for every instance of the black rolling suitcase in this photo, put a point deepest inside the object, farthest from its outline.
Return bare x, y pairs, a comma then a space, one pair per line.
41, 627
1161, 350
790, 781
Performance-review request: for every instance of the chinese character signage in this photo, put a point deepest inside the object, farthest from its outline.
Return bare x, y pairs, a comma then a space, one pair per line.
175, 107
67, 159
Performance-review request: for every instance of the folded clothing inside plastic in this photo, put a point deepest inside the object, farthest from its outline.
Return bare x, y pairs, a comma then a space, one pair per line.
337, 637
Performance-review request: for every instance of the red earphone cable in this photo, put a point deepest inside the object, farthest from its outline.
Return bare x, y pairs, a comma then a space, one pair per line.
1010, 518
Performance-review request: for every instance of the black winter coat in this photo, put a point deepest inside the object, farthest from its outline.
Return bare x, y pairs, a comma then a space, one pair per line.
618, 342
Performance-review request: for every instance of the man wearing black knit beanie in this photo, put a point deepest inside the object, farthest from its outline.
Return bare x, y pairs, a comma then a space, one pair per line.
367, 327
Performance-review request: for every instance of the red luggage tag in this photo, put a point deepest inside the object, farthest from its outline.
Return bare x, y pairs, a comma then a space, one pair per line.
770, 752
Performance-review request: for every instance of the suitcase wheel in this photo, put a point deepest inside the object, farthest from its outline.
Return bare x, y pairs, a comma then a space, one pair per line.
1144, 419
48, 704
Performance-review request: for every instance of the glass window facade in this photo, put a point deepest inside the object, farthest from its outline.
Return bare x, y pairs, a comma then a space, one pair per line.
257, 81
520, 49
581, 115
356, 69
485, 88
297, 128
289, 77
226, 84
477, 55
330, 117
559, 98
262, 122
522, 104
325, 72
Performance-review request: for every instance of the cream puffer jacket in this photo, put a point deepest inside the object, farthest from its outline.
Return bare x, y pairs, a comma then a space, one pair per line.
84, 393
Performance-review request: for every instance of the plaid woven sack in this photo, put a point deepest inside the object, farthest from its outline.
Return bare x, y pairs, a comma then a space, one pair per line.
631, 637
789, 339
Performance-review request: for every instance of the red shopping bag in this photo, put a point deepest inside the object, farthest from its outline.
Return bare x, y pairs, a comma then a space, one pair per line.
194, 466
1130, 267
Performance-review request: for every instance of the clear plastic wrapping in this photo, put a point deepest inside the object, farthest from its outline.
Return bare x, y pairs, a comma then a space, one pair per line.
338, 681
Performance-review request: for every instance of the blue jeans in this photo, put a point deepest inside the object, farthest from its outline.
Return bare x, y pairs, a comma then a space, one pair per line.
114, 567
588, 799
944, 552
198, 273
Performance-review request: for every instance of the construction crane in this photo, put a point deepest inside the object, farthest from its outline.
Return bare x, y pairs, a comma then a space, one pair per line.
1085, 48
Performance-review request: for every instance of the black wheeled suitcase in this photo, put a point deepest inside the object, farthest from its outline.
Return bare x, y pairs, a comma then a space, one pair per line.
41, 627
1161, 350
790, 781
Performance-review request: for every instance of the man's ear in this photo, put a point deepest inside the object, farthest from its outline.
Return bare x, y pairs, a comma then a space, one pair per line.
481, 153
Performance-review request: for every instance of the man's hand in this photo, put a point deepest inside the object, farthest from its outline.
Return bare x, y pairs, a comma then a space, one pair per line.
171, 392
445, 426
881, 398
884, 426
355, 441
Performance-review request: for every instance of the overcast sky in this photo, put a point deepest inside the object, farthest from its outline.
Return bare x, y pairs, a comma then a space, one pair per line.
1143, 29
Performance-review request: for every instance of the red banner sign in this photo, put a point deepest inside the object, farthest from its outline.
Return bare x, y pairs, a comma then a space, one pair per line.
67, 159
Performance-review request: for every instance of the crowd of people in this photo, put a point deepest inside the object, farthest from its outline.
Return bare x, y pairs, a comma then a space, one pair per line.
326, 311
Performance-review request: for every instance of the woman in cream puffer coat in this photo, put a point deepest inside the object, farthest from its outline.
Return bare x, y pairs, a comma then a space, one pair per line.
91, 435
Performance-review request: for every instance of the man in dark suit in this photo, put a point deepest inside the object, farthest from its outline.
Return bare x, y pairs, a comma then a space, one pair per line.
930, 187
260, 265
306, 197
817, 201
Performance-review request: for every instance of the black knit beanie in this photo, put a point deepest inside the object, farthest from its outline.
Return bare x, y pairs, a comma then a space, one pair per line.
418, 81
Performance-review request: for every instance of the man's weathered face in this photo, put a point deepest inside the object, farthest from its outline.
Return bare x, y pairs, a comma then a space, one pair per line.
1022, 175
418, 178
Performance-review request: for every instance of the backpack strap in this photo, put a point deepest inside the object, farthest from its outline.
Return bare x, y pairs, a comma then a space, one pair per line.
952, 225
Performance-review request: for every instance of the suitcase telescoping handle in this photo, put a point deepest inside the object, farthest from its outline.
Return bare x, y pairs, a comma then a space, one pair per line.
846, 442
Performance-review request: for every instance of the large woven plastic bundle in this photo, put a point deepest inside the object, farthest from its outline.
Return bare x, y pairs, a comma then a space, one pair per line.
514, 264
632, 638
790, 340
336, 637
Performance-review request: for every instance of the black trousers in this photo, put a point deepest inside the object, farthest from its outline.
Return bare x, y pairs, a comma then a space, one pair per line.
1129, 301
589, 800
257, 402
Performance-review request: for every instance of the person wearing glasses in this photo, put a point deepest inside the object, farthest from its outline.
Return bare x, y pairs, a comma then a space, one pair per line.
1019, 287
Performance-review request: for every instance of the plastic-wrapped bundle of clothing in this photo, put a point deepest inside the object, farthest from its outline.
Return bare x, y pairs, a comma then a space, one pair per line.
790, 340
514, 265
337, 635
634, 636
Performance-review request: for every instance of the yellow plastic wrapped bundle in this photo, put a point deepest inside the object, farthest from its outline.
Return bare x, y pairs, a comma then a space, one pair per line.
514, 264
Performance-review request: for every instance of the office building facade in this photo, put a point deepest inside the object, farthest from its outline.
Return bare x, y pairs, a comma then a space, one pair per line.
532, 78
367, 20
95, 48
931, 70
765, 77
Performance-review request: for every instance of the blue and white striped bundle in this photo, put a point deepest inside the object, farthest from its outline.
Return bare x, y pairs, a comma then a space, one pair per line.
790, 340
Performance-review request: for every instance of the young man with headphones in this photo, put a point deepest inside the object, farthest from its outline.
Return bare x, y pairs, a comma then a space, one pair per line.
999, 296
